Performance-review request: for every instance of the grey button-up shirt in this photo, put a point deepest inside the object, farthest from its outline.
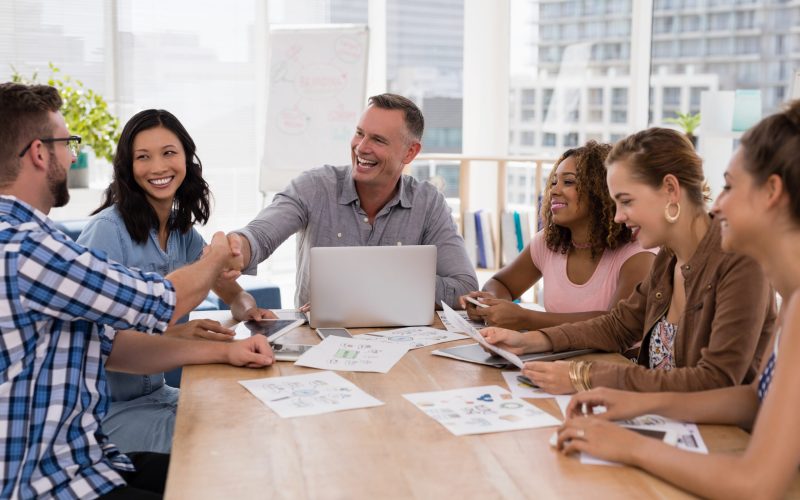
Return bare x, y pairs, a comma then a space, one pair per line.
322, 206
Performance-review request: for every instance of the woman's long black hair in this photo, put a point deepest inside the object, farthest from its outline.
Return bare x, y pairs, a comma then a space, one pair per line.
192, 199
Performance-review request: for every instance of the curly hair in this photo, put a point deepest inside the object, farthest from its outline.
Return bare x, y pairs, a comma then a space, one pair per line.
192, 199
592, 189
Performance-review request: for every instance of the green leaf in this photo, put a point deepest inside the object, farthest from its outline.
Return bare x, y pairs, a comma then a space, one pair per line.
85, 111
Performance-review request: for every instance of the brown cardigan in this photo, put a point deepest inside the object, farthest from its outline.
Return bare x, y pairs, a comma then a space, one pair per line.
727, 323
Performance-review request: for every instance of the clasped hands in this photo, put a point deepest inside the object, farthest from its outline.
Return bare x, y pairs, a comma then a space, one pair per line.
227, 253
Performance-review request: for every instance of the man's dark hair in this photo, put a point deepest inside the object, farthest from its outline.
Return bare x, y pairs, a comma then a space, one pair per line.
415, 123
24, 117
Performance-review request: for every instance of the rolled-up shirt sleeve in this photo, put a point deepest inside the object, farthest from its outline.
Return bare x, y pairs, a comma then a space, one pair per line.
64, 280
287, 214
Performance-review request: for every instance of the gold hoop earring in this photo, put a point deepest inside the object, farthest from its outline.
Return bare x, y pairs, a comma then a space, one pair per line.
672, 219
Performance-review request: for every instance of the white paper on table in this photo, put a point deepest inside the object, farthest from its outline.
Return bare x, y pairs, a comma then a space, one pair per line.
353, 355
563, 401
479, 410
687, 436
453, 328
521, 390
464, 327
309, 394
414, 336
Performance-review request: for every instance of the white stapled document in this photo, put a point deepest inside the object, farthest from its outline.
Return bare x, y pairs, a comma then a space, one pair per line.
415, 336
679, 434
464, 327
309, 394
453, 328
353, 355
478, 410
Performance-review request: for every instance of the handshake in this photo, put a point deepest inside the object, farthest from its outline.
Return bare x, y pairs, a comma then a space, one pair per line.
225, 254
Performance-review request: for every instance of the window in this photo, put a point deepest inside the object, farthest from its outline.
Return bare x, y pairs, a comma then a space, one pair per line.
595, 97
619, 116
527, 138
619, 97
528, 115
425, 62
528, 97
672, 96
590, 56
690, 24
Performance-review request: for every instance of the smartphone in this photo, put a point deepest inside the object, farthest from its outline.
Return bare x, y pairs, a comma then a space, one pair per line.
289, 352
336, 332
475, 301
522, 379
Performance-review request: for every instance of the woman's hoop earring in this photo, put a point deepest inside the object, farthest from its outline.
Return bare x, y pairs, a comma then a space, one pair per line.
672, 219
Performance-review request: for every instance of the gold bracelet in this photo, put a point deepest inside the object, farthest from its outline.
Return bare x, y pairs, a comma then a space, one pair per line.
573, 375
586, 378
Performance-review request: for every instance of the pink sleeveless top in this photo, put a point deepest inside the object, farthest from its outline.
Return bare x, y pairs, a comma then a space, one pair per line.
563, 296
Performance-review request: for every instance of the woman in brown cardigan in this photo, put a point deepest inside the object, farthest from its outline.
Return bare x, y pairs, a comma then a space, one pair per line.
704, 315
760, 213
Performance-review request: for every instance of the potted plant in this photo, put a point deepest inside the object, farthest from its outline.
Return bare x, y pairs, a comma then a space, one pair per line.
689, 123
87, 115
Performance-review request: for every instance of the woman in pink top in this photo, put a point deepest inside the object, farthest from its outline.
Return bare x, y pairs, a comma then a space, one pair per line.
588, 262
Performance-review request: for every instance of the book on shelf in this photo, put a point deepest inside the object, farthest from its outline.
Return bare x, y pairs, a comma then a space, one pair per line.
515, 233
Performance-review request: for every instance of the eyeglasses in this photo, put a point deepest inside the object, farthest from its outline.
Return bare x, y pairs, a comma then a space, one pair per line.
72, 143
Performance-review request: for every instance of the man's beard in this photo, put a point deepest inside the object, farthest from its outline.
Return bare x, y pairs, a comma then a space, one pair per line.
57, 183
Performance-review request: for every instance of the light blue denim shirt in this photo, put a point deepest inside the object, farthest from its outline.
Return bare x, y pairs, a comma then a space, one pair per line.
142, 412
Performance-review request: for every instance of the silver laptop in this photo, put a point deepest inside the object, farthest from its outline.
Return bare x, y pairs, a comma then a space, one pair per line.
372, 286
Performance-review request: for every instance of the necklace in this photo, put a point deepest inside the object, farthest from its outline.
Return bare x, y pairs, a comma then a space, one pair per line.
580, 246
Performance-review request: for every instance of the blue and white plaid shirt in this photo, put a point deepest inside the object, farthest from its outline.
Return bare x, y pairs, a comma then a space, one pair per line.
60, 305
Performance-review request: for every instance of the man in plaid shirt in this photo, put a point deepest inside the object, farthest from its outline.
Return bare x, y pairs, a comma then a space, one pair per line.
67, 314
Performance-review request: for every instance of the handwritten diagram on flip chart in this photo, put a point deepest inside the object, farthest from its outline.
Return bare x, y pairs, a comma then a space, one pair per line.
353, 355
317, 91
479, 410
310, 394
415, 336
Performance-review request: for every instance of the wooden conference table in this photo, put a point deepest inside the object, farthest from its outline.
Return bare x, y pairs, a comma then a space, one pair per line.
228, 444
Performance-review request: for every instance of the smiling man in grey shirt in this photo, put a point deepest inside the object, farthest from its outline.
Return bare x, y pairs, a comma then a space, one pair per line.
369, 202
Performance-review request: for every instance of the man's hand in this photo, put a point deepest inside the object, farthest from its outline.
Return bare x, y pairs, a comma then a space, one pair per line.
229, 252
207, 329
253, 352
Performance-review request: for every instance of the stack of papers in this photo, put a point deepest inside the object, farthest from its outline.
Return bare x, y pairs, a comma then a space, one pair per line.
479, 410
